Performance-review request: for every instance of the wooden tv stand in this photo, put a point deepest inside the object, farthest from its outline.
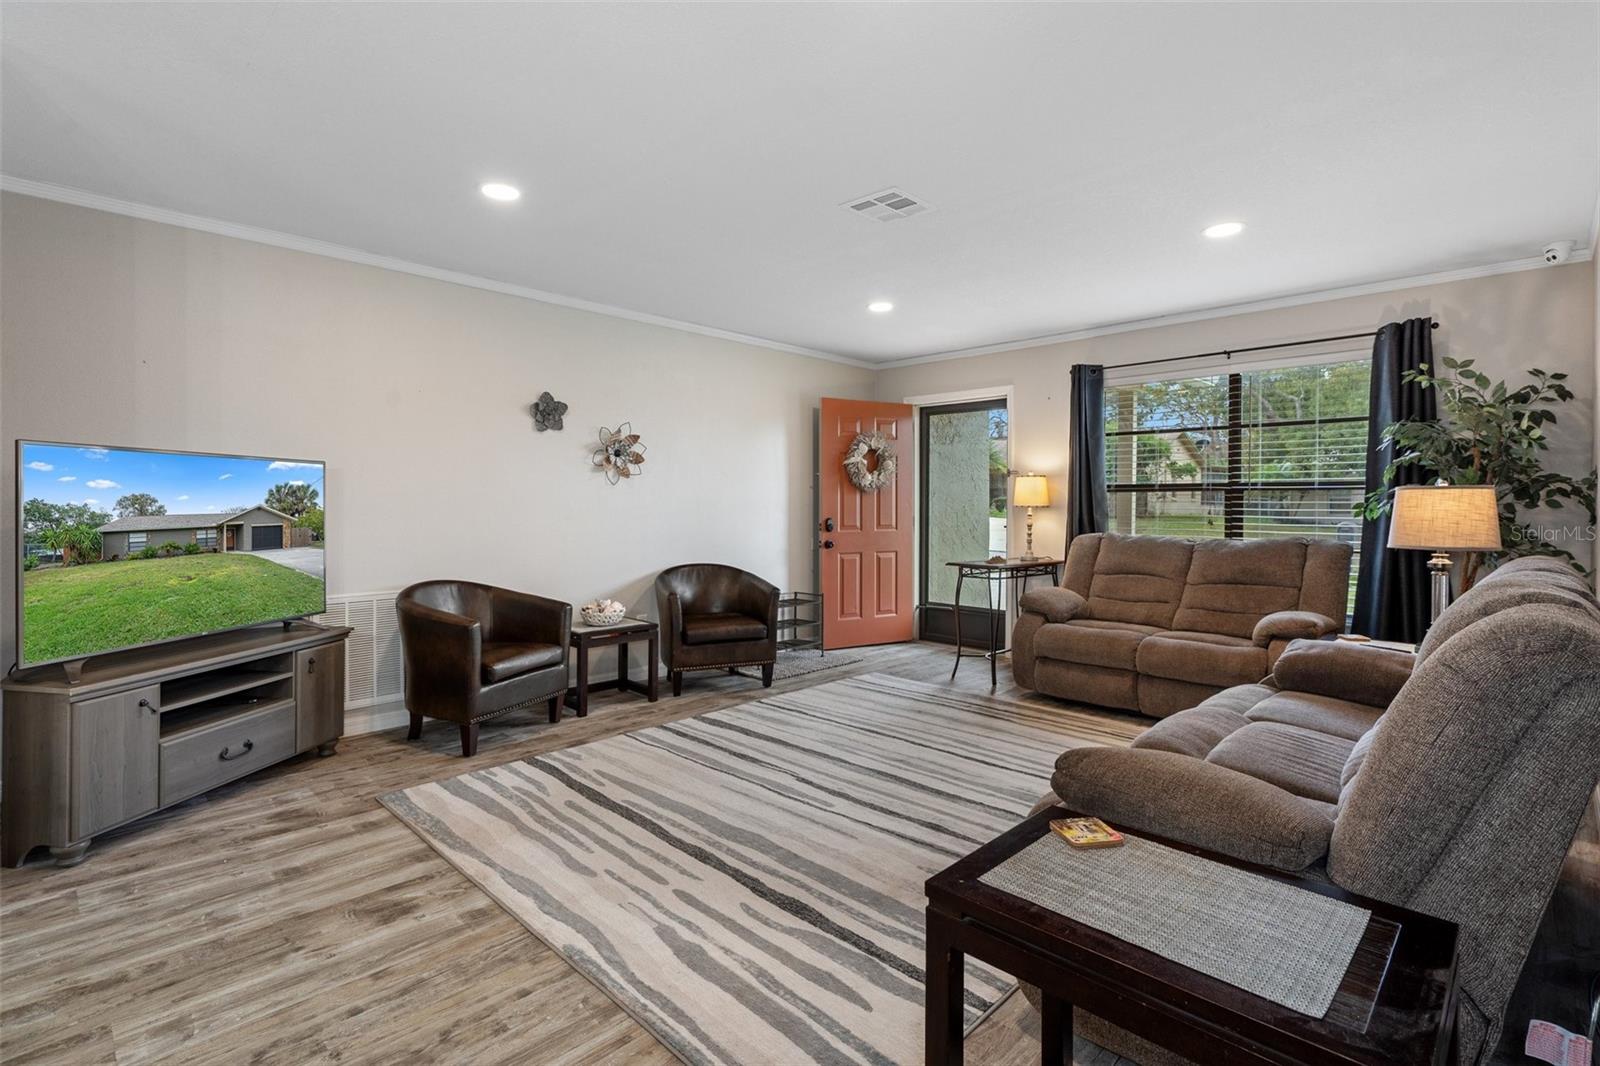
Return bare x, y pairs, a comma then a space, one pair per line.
128, 734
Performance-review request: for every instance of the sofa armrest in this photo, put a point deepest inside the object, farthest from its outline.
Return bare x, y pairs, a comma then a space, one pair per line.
1195, 802
1055, 603
520, 616
1344, 670
443, 653
1288, 625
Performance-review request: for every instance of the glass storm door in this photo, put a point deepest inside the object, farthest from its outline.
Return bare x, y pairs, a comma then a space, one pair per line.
965, 455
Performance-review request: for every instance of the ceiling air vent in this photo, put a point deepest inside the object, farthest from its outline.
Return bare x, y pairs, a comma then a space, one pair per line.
886, 206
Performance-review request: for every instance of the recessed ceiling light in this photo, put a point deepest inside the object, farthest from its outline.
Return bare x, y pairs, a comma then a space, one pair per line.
1224, 229
499, 190
879, 307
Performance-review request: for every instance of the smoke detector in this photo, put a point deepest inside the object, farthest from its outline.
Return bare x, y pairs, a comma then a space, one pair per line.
886, 206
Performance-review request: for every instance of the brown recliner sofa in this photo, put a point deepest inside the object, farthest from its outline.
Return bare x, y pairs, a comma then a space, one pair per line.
1450, 782
475, 651
1157, 624
716, 617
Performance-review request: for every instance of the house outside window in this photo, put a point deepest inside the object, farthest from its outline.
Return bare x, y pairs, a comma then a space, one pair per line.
1251, 454
206, 538
137, 541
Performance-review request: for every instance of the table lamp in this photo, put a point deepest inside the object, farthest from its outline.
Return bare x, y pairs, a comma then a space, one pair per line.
1445, 518
1032, 491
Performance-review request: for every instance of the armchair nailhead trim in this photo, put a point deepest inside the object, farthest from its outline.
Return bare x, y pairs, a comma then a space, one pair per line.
721, 666
562, 691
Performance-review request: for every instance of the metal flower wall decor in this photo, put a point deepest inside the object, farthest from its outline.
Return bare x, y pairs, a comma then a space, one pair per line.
620, 454
547, 412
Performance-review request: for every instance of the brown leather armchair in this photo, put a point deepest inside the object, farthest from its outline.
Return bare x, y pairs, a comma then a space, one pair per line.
475, 651
716, 617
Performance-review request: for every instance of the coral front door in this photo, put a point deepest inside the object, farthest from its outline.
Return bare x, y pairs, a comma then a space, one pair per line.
865, 536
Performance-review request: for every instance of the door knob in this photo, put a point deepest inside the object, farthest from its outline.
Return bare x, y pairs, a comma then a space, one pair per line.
827, 525
827, 544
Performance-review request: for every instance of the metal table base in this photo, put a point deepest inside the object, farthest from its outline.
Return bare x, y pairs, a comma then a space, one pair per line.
1012, 573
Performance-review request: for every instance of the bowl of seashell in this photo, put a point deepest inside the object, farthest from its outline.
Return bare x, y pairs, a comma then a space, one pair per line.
602, 613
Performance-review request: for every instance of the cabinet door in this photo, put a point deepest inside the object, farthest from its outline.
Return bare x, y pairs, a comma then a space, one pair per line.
116, 751
319, 695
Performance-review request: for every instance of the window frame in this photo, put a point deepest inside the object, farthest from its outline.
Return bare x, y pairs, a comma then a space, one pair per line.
206, 538
142, 538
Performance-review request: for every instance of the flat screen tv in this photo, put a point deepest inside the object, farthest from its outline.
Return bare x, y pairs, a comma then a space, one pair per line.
125, 547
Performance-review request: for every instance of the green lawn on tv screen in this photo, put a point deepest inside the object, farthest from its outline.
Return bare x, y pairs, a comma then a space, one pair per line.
80, 610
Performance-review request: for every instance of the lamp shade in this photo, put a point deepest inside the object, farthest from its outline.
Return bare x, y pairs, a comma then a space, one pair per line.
1461, 518
1032, 491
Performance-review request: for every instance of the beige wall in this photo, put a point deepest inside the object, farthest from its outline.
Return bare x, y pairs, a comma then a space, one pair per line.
416, 393
1534, 318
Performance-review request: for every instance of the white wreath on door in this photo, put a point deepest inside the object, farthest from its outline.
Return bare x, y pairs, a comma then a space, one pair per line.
855, 461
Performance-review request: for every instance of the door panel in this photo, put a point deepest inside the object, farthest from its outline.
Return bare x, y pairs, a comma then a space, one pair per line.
116, 743
866, 574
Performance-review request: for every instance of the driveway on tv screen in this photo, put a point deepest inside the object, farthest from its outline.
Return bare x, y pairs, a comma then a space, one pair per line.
305, 560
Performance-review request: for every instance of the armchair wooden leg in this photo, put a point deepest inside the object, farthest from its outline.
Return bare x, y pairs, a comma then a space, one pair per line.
469, 739
677, 682
766, 675
415, 732
555, 708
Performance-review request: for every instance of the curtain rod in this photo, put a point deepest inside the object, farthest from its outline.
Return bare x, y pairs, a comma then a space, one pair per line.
1231, 352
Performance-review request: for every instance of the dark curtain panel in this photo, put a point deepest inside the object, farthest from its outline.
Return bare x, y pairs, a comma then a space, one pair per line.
1392, 600
1086, 478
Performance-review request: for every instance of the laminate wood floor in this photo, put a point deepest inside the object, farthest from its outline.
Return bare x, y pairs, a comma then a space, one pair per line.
288, 918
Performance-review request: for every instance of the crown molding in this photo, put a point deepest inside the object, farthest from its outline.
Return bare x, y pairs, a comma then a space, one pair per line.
1276, 303
83, 198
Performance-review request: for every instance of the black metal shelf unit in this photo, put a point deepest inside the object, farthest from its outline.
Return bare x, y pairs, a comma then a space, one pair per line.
800, 621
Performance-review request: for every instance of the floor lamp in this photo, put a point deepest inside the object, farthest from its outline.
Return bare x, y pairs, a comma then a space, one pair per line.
1441, 519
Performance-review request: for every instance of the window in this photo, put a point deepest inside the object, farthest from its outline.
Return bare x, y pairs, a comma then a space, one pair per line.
136, 541
1250, 455
206, 538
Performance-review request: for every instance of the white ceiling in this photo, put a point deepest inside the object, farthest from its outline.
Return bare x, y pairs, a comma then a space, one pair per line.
688, 161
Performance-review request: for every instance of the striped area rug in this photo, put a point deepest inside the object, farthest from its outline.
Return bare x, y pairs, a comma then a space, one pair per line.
748, 884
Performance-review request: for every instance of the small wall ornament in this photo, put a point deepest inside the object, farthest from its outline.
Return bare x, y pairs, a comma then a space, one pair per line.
855, 461
547, 412
620, 454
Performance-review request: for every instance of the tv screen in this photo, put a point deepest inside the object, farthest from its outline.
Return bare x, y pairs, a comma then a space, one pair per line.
123, 547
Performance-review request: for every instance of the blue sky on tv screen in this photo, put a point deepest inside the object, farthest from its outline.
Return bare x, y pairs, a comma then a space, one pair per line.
185, 484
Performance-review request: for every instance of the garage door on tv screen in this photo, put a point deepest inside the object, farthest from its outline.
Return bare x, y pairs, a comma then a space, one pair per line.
124, 547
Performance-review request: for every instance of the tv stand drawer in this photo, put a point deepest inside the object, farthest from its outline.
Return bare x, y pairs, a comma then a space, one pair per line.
202, 758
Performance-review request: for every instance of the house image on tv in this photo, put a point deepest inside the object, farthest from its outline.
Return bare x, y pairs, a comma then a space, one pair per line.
252, 529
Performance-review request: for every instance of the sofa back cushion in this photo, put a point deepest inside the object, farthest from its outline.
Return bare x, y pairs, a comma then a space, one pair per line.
1128, 578
1475, 779
1233, 584
1529, 580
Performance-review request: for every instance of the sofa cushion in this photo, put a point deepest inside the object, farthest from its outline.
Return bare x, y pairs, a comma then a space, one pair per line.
1292, 625
1136, 579
1344, 670
1301, 761
1193, 732
1233, 584
1321, 714
722, 627
1529, 580
500, 660
1203, 658
1093, 643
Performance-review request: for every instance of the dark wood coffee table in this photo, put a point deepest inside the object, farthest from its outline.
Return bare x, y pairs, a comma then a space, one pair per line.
586, 638
1396, 1004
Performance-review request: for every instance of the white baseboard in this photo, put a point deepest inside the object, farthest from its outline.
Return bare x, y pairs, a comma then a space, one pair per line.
374, 718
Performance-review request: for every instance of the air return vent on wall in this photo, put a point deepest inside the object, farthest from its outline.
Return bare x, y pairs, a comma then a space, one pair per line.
373, 667
886, 206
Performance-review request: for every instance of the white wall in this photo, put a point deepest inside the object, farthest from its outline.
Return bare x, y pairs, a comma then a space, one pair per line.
416, 393
1536, 318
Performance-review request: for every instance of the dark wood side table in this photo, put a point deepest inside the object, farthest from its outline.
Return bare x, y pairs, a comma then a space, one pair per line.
1395, 1006
1009, 575
585, 638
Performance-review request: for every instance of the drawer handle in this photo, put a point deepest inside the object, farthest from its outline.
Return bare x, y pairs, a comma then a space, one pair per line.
311, 665
153, 708
244, 749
